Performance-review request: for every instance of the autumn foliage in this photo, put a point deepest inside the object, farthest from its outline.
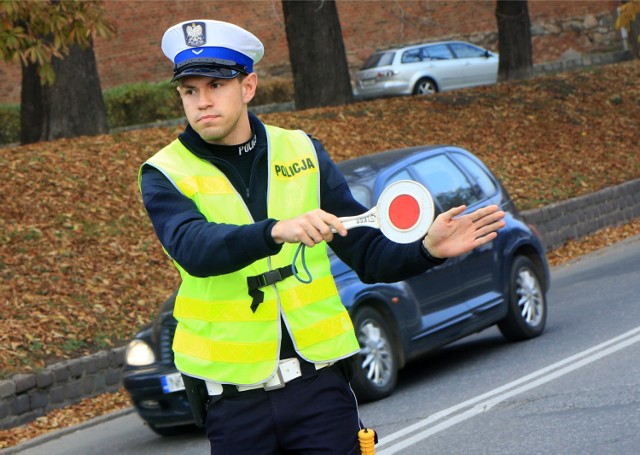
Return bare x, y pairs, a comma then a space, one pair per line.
627, 14
35, 32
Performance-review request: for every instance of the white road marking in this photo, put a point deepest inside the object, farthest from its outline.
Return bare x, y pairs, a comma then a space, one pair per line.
486, 401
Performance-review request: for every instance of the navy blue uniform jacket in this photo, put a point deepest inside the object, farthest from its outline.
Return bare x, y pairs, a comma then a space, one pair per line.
205, 248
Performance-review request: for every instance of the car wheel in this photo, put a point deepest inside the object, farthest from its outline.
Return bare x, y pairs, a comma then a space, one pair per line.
527, 306
377, 366
425, 86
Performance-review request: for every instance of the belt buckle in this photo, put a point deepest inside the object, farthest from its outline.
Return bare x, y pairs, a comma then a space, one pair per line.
275, 382
288, 369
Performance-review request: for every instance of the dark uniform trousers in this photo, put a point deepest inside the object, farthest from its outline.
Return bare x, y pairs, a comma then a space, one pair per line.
314, 414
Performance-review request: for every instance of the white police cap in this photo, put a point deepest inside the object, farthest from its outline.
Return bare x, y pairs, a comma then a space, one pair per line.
211, 48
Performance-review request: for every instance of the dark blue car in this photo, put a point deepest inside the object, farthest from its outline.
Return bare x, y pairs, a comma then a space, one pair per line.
504, 283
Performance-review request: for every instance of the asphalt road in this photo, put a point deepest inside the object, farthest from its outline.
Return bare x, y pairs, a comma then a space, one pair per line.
574, 390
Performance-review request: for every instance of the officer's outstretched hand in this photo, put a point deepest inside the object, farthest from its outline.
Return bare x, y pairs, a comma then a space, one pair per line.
452, 235
309, 228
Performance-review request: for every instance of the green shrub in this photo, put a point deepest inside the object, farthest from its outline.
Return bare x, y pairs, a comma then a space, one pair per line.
140, 103
276, 90
9, 123
146, 102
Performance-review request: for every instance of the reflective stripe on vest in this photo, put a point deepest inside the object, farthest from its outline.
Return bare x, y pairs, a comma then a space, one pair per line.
218, 336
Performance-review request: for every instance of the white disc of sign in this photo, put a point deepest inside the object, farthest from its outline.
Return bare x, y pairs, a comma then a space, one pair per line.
404, 212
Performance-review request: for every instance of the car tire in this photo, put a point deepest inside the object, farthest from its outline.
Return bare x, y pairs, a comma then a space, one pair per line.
527, 305
376, 372
425, 86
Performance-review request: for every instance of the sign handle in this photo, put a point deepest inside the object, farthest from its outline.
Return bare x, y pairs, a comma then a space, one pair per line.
368, 218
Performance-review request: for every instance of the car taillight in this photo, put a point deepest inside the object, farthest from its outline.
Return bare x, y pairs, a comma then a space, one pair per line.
385, 74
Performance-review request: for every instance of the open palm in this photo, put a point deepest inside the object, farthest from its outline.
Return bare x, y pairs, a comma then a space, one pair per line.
452, 235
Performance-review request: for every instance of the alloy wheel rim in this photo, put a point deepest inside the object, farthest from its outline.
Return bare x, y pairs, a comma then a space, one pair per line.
376, 353
530, 297
426, 89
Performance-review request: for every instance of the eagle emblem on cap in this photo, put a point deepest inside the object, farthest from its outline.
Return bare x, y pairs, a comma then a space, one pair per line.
194, 34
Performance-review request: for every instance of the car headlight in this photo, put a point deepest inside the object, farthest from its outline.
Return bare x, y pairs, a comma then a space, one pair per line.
139, 354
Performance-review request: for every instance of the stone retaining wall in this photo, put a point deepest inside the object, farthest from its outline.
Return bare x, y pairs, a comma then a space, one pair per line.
584, 215
24, 397
582, 61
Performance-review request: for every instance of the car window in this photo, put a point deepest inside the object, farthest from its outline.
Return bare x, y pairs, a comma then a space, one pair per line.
437, 52
378, 59
411, 56
402, 175
464, 50
446, 182
484, 183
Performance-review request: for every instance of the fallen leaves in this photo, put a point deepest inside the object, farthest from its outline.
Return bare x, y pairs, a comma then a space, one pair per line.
602, 238
66, 417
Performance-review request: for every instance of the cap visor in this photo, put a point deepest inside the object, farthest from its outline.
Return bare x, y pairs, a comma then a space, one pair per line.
213, 72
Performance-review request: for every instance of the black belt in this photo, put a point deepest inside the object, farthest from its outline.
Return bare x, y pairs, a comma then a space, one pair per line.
265, 279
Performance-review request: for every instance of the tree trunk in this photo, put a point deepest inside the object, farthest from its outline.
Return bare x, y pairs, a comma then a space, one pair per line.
316, 51
73, 106
31, 105
514, 40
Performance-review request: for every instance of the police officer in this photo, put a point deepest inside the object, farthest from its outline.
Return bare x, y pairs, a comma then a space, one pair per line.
269, 353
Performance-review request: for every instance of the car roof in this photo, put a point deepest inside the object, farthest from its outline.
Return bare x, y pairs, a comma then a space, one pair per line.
367, 167
411, 46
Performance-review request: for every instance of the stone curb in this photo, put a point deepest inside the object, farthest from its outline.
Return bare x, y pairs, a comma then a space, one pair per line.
25, 397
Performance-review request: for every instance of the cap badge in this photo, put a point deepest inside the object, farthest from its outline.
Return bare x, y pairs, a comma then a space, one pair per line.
194, 34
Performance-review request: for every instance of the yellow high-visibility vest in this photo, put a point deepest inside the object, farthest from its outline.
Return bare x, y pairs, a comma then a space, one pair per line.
219, 337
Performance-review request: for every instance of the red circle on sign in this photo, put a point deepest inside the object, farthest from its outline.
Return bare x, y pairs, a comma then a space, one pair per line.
404, 211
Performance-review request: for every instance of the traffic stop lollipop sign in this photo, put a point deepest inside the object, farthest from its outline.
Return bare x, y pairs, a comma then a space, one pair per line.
404, 212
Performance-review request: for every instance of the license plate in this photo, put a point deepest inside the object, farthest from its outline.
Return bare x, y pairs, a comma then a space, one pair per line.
368, 82
172, 383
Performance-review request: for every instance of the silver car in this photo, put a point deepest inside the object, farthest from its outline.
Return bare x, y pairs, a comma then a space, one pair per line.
422, 69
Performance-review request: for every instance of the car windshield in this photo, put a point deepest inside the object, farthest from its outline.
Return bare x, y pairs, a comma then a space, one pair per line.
362, 195
378, 59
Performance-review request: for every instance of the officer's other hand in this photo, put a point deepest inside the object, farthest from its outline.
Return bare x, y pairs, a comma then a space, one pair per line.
309, 228
452, 235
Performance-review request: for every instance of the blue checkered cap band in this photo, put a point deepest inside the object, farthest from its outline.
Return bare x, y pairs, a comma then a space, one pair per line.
203, 44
